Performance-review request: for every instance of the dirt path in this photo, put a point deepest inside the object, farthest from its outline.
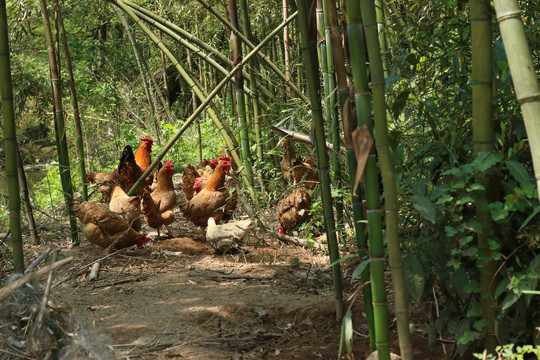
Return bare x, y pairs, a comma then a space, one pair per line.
176, 299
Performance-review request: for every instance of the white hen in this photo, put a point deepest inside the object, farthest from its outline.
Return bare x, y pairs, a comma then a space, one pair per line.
225, 237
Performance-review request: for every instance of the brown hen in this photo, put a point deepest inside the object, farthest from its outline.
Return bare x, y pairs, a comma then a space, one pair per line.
105, 228
293, 210
210, 201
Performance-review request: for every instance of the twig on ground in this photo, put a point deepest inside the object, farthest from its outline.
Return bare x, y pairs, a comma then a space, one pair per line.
226, 277
46, 294
6, 291
300, 242
37, 261
120, 273
133, 279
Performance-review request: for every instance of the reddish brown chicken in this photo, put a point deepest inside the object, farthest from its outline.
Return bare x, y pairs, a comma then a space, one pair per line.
129, 207
105, 183
287, 161
189, 177
158, 207
142, 156
305, 172
105, 228
210, 202
293, 210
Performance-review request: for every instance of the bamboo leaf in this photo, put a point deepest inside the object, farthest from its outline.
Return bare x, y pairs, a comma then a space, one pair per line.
348, 256
359, 269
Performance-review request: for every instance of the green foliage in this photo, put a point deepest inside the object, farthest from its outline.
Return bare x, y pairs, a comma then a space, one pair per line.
507, 352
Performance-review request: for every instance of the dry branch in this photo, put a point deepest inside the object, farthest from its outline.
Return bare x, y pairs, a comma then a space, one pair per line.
6, 291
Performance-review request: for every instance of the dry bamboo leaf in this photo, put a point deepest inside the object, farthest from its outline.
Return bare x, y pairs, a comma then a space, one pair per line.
362, 142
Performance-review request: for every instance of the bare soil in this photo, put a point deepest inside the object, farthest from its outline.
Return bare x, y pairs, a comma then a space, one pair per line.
176, 299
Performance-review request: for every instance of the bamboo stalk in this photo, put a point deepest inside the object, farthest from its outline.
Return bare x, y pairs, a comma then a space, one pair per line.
26, 198
362, 98
239, 89
523, 74
75, 105
309, 54
391, 208
140, 65
262, 56
63, 155
10, 143
187, 40
336, 60
484, 141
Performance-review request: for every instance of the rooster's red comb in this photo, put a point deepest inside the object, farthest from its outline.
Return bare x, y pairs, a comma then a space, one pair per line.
147, 139
168, 163
224, 158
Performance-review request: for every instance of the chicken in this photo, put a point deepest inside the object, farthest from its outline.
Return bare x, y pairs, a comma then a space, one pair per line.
210, 202
228, 236
189, 178
154, 181
129, 207
105, 228
142, 156
158, 207
293, 210
105, 183
196, 179
129, 172
287, 160
305, 172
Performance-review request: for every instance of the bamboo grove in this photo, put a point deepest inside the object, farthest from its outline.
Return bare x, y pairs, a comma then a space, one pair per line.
446, 193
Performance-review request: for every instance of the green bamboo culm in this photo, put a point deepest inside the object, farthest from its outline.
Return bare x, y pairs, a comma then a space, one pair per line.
251, 46
63, 155
239, 89
382, 142
484, 142
141, 66
362, 98
306, 20
523, 74
10, 144
336, 68
194, 44
75, 105
253, 82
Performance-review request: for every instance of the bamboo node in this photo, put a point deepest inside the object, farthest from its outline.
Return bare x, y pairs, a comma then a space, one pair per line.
529, 99
508, 16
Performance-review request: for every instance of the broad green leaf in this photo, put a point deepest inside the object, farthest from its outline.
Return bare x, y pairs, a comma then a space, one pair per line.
503, 285
424, 207
518, 171
400, 102
414, 277
460, 281
529, 218
510, 299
